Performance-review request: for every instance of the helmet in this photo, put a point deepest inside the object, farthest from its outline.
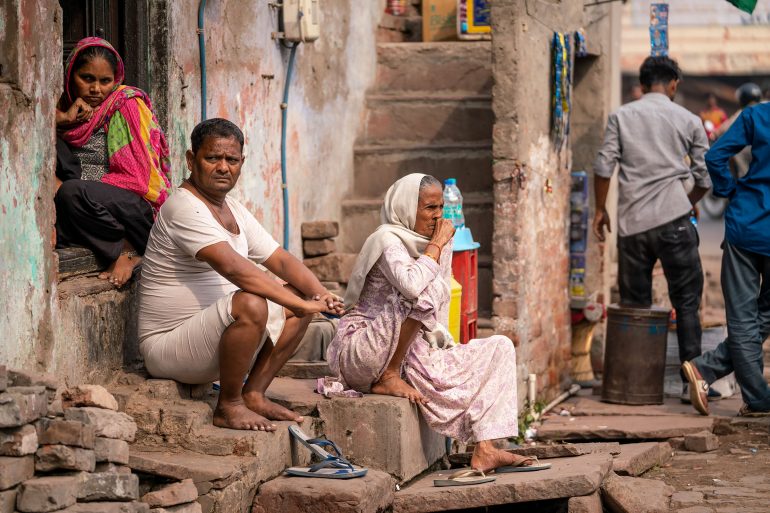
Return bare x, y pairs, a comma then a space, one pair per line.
748, 93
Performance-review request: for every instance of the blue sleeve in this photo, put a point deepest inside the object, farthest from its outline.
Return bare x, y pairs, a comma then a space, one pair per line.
739, 136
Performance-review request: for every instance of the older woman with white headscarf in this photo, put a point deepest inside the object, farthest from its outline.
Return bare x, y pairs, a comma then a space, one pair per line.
393, 339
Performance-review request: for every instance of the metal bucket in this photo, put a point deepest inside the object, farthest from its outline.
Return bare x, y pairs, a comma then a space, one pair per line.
635, 355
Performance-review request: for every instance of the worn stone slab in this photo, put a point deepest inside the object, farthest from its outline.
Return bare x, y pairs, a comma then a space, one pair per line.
109, 449
335, 267
704, 441
8, 501
65, 432
62, 457
178, 466
313, 248
89, 395
3, 378
112, 467
44, 494
18, 441
108, 486
686, 498
372, 493
190, 507
22, 378
543, 452
320, 229
172, 495
591, 405
22, 405
568, 477
636, 459
14, 470
621, 428
305, 369
106, 423
585, 504
107, 507
296, 394
623, 494
382, 433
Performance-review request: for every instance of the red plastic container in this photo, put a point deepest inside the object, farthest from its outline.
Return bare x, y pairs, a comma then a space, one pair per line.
465, 268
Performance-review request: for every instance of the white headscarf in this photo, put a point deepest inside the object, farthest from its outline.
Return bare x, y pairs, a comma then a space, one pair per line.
398, 216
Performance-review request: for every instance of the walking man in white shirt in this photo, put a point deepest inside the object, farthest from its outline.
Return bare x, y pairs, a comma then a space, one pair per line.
206, 309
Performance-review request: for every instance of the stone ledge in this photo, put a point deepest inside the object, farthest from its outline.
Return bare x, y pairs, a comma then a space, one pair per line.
621, 428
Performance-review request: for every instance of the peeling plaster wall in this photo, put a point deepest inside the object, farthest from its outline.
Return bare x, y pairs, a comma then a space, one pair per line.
530, 251
246, 72
29, 85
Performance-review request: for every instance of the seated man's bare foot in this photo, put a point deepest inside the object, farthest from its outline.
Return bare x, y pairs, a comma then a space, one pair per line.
119, 271
392, 384
258, 403
487, 457
237, 416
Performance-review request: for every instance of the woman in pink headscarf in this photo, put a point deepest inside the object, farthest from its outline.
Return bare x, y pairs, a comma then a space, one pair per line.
112, 160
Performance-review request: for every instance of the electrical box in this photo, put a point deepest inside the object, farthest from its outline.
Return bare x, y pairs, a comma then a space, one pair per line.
301, 22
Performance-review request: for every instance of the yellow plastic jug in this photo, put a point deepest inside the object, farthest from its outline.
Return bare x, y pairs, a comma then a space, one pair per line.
455, 297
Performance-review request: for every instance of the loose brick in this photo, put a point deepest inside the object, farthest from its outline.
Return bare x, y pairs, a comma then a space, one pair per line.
108, 486
320, 229
15, 470
61, 457
172, 495
18, 441
319, 247
190, 507
108, 424
704, 441
8, 501
3, 378
65, 432
89, 395
44, 494
20, 378
111, 467
109, 449
335, 267
22, 405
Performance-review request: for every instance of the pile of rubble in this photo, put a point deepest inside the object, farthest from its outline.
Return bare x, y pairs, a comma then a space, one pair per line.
321, 257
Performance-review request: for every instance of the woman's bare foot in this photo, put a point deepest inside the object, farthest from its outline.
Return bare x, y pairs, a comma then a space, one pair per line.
258, 403
487, 457
235, 415
392, 384
119, 271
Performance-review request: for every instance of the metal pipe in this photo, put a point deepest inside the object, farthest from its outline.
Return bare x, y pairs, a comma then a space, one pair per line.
284, 123
202, 49
574, 389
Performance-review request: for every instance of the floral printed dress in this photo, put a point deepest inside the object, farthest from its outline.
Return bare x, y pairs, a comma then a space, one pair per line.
471, 388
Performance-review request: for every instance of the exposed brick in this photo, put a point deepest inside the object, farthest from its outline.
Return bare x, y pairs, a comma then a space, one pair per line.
8, 501
89, 395
320, 229
20, 378
704, 441
22, 405
65, 432
3, 378
335, 267
111, 467
109, 424
61, 457
108, 486
585, 504
172, 495
15, 470
109, 449
44, 494
505, 307
319, 247
18, 441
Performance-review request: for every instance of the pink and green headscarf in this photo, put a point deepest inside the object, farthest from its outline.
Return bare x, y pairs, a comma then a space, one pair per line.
137, 147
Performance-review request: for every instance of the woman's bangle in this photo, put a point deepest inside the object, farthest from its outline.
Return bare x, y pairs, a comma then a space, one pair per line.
431, 256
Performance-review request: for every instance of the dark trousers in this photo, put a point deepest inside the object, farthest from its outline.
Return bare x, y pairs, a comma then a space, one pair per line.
100, 217
675, 244
746, 287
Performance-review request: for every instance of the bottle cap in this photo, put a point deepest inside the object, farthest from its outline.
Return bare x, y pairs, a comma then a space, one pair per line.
450, 181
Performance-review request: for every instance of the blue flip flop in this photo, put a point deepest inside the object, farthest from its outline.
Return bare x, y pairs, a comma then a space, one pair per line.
316, 445
327, 469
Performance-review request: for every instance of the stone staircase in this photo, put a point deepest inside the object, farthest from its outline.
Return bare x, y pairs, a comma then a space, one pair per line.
429, 111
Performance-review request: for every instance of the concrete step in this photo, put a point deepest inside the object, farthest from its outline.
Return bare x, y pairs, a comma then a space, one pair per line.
452, 66
378, 166
427, 118
568, 477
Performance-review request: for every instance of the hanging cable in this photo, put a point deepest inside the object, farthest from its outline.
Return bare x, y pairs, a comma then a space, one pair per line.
202, 49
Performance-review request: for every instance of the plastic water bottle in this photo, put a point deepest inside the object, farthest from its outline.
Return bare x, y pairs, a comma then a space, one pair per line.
453, 203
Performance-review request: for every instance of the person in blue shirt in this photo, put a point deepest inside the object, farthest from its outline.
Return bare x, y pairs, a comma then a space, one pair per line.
745, 266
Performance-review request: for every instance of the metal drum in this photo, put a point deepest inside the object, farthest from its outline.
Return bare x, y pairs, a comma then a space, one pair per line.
635, 355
